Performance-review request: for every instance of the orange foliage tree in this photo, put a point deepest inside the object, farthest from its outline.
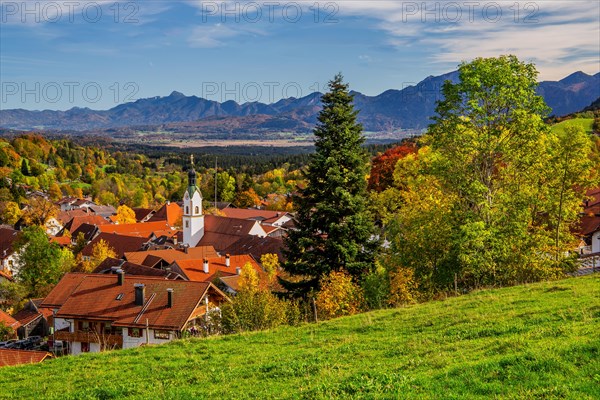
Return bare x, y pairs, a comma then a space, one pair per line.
382, 170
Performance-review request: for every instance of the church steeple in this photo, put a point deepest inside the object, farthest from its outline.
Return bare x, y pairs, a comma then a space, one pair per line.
192, 175
193, 219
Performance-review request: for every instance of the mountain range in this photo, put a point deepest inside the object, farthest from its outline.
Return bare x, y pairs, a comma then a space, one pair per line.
409, 109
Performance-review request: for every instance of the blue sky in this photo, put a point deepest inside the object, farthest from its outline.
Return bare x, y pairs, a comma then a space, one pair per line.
97, 54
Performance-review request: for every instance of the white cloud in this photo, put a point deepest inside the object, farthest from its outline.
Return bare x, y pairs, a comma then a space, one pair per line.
559, 36
208, 36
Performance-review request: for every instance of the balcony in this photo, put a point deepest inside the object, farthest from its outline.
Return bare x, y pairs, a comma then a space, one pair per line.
90, 337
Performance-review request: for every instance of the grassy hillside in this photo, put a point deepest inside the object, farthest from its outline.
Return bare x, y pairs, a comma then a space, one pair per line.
538, 341
585, 123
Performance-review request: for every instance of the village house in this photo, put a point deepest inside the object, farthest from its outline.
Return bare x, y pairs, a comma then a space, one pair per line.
216, 268
94, 312
8, 257
589, 228
118, 242
33, 319
112, 265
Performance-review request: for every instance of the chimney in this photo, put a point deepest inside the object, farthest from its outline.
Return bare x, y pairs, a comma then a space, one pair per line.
205, 266
238, 270
120, 277
170, 298
185, 248
140, 290
168, 202
227, 260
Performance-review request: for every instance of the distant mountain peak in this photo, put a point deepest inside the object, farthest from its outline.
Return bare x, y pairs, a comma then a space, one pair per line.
406, 108
576, 77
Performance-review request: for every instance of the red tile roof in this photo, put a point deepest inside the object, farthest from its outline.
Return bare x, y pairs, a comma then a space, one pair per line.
256, 246
8, 320
119, 243
170, 255
142, 213
26, 316
61, 240
170, 212
77, 221
138, 229
7, 238
62, 290
129, 268
589, 224
100, 297
10, 357
254, 214
193, 269
65, 216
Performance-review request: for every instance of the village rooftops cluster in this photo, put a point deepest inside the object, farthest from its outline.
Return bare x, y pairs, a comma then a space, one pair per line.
170, 268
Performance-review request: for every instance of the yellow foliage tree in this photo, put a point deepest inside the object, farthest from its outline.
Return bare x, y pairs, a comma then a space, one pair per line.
402, 286
39, 211
55, 192
9, 212
125, 215
248, 278
270, 263
100, 252
339, 296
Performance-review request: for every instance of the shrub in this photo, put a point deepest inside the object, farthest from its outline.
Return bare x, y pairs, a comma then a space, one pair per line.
402, 286
339, 296
376, 288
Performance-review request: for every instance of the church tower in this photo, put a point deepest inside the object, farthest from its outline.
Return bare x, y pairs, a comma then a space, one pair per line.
193, 219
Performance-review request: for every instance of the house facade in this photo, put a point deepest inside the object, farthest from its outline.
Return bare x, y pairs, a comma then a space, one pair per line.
96, 312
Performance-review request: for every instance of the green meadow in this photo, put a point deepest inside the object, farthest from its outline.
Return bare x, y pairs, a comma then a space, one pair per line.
538, 341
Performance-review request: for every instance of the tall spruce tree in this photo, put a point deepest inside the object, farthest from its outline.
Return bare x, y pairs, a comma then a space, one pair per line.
334, 227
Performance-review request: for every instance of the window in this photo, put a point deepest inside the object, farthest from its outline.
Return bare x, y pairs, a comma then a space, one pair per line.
134, 332
85, 347
83, 326
107, 328
161, 334
197, 210
187, 210
187, 224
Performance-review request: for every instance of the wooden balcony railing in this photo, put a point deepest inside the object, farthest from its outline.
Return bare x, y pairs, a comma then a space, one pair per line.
90, 337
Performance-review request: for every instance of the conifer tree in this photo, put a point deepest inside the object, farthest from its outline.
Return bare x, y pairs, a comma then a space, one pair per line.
334, 227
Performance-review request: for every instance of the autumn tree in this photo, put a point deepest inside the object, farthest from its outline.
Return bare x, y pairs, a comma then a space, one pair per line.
100, 252
55, 192
125, 215
40, 263
9, 212
483, 208
270, 263
338, 296
334, 228
39, 210
247, 199
255, 308
383, 165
